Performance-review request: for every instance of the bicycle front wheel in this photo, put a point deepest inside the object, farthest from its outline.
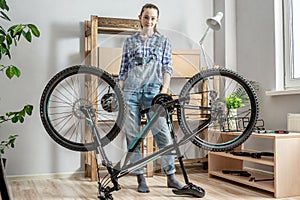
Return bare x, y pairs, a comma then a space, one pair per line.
80, 87
219, 107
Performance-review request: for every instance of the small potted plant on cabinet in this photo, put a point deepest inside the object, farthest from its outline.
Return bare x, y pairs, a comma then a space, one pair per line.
232, 102
235, 101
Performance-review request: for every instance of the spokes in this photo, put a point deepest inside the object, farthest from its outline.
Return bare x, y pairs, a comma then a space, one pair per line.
66, 99
223, 99
81, 103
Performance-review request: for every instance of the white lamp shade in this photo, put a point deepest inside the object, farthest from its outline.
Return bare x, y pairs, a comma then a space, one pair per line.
215, 22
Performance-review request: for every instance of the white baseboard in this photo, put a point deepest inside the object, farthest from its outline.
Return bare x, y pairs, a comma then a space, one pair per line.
46, 176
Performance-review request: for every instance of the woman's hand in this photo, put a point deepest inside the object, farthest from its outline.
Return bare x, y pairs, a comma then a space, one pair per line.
165, 83
164, 90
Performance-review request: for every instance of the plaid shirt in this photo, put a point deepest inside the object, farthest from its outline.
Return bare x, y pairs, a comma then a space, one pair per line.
134, 46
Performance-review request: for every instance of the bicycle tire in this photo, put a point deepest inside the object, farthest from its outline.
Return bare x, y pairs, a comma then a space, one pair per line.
71, 89
204, 109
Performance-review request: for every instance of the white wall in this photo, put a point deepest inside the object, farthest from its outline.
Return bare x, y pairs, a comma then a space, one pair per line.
62, 44
256, 59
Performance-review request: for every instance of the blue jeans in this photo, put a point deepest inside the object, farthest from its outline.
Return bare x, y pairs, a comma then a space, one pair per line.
161, 134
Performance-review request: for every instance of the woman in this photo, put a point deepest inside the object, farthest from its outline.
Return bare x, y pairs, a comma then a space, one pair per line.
146, 71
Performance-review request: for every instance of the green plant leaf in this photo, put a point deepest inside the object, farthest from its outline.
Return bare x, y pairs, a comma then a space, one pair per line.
11, 140
8, 40
18, 30
12, 71
4, 50
7, 53
9, 73
233, 101
4, 16
8, 114
15, 119
2, 31
27, 35
9, 143
3, 5
35, 31
28, 109
21, 118
17, 72
2, 39
12, 28
22, 112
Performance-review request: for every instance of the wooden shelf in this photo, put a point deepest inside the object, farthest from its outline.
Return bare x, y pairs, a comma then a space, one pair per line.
264, 185
264, 160
285, 164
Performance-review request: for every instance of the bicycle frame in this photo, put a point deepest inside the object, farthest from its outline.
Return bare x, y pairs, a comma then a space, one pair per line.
128, 168
199, 106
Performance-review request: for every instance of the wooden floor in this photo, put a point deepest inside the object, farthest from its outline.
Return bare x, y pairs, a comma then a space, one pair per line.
81, 188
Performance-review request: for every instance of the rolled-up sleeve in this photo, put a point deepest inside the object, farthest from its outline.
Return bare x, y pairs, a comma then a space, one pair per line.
125, 61
167, 57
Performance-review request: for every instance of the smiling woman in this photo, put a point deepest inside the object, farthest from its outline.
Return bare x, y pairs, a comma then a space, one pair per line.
145, 72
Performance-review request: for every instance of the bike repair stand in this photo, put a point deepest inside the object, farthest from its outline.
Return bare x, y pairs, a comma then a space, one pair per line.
189, 188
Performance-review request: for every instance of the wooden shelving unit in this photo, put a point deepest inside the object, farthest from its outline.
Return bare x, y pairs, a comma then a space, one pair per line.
285, 165
93, 27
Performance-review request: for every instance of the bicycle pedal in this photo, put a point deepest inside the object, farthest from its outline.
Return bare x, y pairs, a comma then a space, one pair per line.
190, 189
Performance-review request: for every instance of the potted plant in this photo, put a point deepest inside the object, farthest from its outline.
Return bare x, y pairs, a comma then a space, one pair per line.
8, 38
233, 102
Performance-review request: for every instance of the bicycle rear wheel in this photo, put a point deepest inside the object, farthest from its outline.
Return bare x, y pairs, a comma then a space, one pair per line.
220, 107
70, 90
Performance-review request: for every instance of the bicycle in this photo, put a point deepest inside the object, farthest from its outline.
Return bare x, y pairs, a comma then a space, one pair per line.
82, 108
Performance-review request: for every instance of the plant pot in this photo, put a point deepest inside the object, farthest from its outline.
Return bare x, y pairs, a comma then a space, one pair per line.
231, 122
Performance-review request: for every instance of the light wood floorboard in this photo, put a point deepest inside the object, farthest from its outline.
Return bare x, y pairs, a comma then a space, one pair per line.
82, 188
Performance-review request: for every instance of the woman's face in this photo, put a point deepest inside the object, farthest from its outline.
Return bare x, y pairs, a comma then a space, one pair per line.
149, 18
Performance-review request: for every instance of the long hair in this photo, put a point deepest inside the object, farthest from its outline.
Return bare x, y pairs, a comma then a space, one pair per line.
149, 5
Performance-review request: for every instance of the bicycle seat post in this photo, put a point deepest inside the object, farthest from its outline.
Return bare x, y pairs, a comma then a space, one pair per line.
89, 112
